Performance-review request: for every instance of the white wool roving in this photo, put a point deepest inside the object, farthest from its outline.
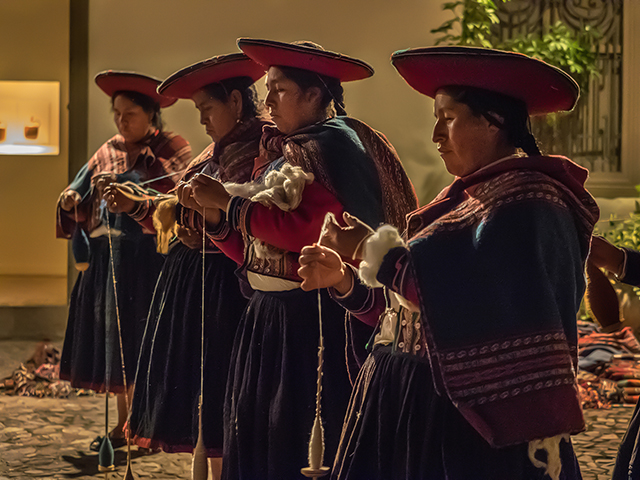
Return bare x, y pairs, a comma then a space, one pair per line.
375, 248
282, 188
551, 445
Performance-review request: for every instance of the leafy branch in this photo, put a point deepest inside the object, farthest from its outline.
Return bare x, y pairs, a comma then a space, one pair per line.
475, 23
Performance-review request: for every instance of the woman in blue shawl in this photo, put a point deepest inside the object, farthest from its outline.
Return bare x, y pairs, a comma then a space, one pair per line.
472, 372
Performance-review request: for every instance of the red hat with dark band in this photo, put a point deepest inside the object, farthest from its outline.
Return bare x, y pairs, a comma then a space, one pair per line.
543, 87
306, 56
112, 81
185, 82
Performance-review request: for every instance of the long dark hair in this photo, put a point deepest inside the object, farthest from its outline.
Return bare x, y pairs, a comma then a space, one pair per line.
330, 87
507, 113
221, 91
148, 104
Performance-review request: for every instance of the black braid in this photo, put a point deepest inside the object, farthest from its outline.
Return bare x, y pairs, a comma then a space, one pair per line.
337, 94
529, 145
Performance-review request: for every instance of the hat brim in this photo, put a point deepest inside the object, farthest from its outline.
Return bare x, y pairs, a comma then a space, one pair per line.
543, 87
187, 81
270, 53
112, 81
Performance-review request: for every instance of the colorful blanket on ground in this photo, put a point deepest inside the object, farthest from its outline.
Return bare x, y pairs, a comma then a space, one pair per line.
39, 376
611, 360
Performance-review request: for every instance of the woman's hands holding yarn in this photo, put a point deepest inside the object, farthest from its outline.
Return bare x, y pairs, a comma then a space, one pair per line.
187, 198
209, 193
321, 267
347, 241
69, 199
115, 195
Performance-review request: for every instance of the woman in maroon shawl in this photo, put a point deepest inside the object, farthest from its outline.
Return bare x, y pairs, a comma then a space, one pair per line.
140, 152
166, 398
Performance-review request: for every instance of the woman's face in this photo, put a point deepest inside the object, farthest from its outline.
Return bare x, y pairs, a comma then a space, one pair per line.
132, 121
466, 143
218, 117
290, 108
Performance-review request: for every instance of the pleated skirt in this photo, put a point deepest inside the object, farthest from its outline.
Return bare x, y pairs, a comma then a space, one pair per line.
91, 351
398, 428
271, 395
166, 397
628, 460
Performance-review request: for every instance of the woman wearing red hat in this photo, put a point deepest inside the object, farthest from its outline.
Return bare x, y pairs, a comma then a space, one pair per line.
472, 373
312, 163
165, 404
140, 152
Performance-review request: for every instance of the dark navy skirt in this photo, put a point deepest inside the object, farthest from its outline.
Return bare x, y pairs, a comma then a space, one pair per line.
91, 352
165, 402
271, 394
399, 428
628, 460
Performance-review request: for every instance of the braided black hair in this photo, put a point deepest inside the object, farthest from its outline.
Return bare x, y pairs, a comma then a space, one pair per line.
507, 113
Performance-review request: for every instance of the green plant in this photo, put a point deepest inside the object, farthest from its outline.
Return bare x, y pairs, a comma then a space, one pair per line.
624, 233
475, 22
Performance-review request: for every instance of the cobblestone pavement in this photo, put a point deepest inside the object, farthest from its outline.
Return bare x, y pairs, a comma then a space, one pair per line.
49, 438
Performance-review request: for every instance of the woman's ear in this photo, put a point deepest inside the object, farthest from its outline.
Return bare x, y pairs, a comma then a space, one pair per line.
235, 101
314, 95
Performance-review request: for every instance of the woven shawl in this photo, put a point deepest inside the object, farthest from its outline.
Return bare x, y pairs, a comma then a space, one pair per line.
499, 261
354, 162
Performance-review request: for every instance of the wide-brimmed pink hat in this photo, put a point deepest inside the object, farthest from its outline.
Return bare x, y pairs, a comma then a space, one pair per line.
543, 87
186, 81
112, 81
306, 56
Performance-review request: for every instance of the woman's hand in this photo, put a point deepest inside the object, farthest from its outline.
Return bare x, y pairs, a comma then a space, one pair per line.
189, 237
347, 241
117, 200
209, 193
321, 267
605, 255
69, 200
212, 216
103, 180
185, 197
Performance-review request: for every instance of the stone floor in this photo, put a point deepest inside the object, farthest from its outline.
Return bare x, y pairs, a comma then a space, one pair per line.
49, 438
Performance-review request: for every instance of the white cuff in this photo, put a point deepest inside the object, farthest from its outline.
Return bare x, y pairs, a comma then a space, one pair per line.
375, 248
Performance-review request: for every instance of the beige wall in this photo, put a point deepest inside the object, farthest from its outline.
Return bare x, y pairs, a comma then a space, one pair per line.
35, 39
158, 37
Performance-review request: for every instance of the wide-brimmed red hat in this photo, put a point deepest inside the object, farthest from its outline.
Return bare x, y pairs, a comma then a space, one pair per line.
112, 81
543, 87
185, 82
307, 56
